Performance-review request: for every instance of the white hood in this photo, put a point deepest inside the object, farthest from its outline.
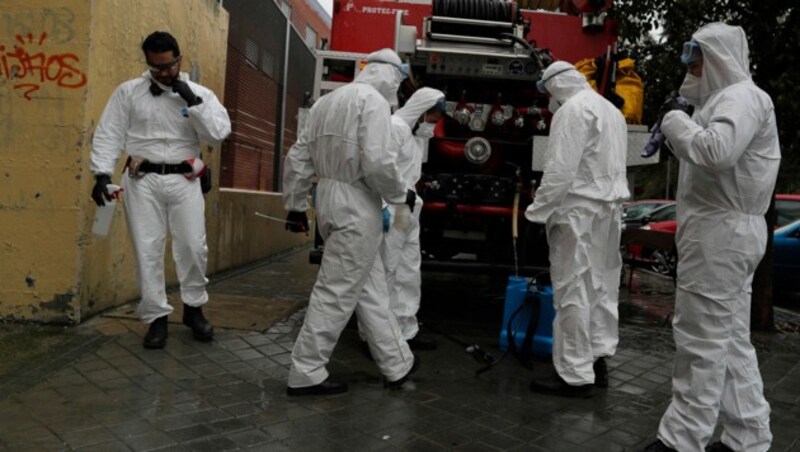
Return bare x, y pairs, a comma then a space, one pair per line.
382, 73
421, 101
726, 57
563, 81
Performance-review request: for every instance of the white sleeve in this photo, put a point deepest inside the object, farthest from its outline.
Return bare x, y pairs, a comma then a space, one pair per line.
110, 135
210, 119
569, 136
731, 128
379, 151
298, 171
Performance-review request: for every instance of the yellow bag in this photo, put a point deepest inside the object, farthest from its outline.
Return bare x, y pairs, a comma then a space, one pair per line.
629, 86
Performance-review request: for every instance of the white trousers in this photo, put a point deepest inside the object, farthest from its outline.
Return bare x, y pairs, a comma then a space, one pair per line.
401, 259
154, 205
350, 222
716, 372
585, 266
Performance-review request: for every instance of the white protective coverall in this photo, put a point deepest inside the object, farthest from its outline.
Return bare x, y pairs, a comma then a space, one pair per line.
400, 250
161, 129
579, 200
346, 143
729, 157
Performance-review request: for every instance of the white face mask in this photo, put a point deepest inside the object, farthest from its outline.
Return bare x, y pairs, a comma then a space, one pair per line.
690, 89
553, 105
425, 130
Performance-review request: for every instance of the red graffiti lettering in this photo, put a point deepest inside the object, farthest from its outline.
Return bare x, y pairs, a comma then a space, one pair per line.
32, 87
32, 70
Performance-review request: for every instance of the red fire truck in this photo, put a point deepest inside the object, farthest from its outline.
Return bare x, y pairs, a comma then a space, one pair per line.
481, 168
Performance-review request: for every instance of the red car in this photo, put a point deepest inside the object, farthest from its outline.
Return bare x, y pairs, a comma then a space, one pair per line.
665, 261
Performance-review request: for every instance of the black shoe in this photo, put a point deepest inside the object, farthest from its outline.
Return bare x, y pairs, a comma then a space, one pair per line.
194, 319
658, 446
555, 385
718, 447
156, 336
398, 384
600, 373
328, 387
422, 342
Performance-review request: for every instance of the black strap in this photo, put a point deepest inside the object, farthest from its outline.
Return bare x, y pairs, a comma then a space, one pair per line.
165, 168
527, 343
524, 354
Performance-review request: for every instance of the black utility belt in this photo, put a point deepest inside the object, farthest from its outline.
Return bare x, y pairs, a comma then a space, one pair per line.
165, 168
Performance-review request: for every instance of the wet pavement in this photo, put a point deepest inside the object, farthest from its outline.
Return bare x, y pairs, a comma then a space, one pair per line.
93, 387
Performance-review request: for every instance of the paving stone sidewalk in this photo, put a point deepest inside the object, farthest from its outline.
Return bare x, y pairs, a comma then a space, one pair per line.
100, 390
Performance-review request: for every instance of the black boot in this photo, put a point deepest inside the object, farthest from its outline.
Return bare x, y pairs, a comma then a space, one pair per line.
194, 319
398, 384
156, 336
327, 387
718, 447
555, 385
600, 373
658, 446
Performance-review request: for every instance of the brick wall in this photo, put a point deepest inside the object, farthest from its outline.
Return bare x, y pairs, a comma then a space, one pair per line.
310, 13
253, 87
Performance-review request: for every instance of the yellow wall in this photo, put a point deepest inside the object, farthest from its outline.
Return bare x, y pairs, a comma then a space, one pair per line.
70, 55
44, 51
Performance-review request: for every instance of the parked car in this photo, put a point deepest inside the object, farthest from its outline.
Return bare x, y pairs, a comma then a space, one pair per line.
786, 266
637, 216
788, 207
786, 258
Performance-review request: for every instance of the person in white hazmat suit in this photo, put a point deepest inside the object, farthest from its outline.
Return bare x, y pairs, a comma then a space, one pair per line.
346, 144
412, 126
729, 156
159, 120
580, 200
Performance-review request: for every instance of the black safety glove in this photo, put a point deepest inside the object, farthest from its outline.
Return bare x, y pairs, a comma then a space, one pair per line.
99, 192
183, 90
296, 222
676, 102
411, 199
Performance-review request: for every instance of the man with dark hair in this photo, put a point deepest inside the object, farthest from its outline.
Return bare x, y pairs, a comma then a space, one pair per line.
159, 119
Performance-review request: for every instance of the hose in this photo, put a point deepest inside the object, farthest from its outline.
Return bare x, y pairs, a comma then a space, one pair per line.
491, 10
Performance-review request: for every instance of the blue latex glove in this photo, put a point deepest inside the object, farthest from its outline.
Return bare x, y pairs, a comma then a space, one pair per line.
387, 219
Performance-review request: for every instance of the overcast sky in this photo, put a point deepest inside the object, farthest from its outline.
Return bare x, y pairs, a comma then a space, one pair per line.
327, 5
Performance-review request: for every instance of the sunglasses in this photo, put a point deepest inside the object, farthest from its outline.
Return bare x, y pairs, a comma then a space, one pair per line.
157, 68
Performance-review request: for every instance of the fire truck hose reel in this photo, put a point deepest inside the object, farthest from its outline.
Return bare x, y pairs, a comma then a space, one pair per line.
477, 150
489, 10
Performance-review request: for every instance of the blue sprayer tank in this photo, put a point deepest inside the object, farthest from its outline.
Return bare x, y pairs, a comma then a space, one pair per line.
517, 290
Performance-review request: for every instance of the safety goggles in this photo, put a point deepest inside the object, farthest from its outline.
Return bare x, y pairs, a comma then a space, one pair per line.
540, 83
403, 67
691, 52
158, 68
441, 106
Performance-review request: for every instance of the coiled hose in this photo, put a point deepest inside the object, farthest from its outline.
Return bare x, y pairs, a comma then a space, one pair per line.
491, 10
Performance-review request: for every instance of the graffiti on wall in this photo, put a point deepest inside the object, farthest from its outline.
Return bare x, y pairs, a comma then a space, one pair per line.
28, 69
24, 63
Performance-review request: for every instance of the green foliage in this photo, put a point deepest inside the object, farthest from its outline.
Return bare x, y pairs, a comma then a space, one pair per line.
654, 32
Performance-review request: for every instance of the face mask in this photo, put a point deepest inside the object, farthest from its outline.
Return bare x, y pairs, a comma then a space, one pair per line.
690, 89
553, 105
425, 130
